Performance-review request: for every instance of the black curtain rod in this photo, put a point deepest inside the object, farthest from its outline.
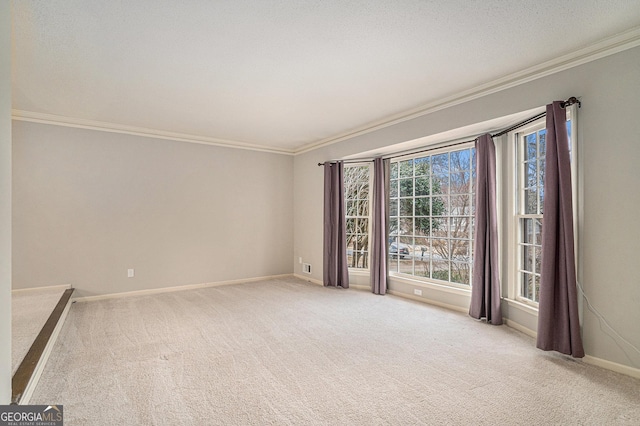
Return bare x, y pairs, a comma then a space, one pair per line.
572, 100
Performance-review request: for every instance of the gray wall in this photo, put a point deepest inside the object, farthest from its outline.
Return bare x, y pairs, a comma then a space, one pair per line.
5, 202
88, 205
608, 134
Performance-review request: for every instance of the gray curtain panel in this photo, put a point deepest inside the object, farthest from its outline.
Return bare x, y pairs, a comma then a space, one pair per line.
485, 289
558, 323
335, 268
378, 271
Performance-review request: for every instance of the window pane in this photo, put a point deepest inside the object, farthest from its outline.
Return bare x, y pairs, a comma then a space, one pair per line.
440, 164
531, 147
531, 201
361, 254
363, 192
393, 207
406, 207
362, 208
527, 258
440, 249
406, 187
460, 273
393, 264
440, 182
527, 286
393, 226
393, 189
422, 226
538, 231
363, 226
460, 183
423, 206
459, 227
460, 250
421, 246
439, 227
440, 270
473, 169
460, 205
421, 166
350, 209
422, 186
351, 226
394, 170
531, 178
405, 266
406, 226
406, 168
460, 161
393, 260
538, 259
527, 230
350, 250
439, 206
406, 241
421, 268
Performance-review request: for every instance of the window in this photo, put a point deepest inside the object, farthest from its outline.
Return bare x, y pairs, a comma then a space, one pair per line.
431, 215
530, 199
530, 169
357, 181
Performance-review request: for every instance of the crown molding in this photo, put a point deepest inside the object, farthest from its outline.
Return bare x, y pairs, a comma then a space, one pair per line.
608, 46
81, 123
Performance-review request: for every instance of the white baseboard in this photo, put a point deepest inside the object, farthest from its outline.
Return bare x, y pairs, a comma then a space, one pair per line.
176, 288
428, 301
308, 279
520, 328
42, 362
613, 366
588, 359
53, 287
360, 287
318, 282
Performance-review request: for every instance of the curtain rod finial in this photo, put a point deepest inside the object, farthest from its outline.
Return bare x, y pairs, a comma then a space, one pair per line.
572, 100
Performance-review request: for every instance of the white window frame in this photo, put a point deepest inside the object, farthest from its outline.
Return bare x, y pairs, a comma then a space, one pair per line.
441, 283
514, 259
369, 222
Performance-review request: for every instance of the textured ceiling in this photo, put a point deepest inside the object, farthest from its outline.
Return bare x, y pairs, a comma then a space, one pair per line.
282, 73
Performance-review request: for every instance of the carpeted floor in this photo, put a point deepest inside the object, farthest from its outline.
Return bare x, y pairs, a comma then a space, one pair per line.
284, 352
30, 309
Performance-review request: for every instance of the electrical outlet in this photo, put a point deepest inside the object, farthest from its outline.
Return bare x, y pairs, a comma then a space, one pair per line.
417, 292
306, 268
130, 273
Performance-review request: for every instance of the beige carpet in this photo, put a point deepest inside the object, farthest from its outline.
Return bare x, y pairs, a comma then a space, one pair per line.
285, 352
30, 309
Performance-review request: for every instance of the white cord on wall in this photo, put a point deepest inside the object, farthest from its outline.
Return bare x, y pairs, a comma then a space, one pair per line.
601, 320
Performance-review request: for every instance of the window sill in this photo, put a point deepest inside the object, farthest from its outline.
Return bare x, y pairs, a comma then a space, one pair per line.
430, 285
522, 306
